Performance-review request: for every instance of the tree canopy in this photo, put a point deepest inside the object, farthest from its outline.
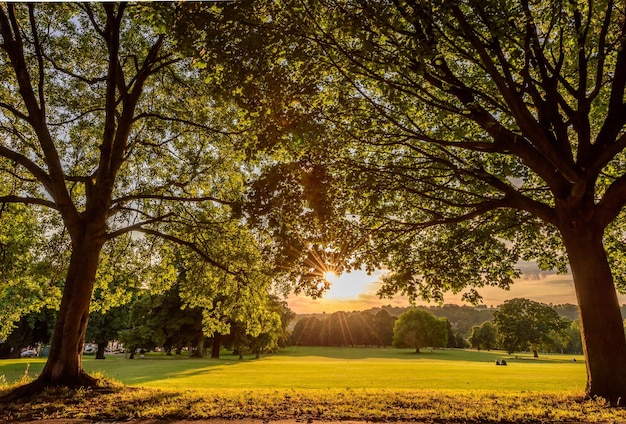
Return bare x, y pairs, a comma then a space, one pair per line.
475, 135
524, 324
483, 336
418, 328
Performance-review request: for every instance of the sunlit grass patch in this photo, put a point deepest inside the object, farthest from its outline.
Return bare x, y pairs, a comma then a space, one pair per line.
354, 368
336, 368
326, 384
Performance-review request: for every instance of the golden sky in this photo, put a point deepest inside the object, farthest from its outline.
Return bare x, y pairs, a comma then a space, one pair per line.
356, 291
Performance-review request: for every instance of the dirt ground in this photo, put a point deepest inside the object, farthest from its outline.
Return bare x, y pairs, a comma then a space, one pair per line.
165, 421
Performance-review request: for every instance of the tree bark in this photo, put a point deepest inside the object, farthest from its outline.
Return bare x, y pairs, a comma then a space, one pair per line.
198, 351
101, 350
602, 331
64, 366
217, 344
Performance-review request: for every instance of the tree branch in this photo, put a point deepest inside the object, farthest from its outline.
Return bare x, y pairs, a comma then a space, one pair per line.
191, 246
613, 201
39, 55
28, 201
29, 165
129, 198
54, 182
146, 115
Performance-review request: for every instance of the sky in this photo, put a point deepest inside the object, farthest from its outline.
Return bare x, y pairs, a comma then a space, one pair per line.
356, 291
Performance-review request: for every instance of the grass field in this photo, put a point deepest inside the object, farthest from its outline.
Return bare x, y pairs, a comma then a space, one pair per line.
337, 368
326, 384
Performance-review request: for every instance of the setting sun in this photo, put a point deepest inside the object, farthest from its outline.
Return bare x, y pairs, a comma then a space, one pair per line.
349, 285
331, 277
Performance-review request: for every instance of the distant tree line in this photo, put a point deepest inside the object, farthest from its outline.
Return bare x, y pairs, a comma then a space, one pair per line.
375, 327
154, 320
160, 320
517, 325
345, 329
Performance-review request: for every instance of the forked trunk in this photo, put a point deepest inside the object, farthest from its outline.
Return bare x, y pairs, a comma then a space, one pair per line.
602, 330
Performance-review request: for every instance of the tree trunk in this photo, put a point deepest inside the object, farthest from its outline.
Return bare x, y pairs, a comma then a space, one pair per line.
215, 349
602, 331
198, 351
64, 366
101, 349
535, 353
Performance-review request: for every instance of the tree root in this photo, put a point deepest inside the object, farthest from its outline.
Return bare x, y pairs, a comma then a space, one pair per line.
39, 385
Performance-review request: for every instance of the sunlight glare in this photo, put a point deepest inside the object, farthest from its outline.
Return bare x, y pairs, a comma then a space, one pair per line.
350, 285
331, 277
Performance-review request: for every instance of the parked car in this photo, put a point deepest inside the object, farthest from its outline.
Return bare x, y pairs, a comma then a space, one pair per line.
90, 350
28, 353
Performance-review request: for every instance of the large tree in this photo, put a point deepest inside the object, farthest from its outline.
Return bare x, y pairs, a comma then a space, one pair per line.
485, 132
417, 328
104, 123
522, 324
162, 320
483, 336
104, 327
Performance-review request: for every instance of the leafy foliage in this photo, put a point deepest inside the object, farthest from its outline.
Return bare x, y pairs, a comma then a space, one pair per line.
524, 324
161, 320
32, 329
344, 329
417, 328
483, 336
29, 280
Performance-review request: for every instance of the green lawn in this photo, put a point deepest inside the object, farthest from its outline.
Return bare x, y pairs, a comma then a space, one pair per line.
376, 385
338, 368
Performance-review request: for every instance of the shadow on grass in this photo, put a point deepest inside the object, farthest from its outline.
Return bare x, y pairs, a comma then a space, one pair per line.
157, 367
